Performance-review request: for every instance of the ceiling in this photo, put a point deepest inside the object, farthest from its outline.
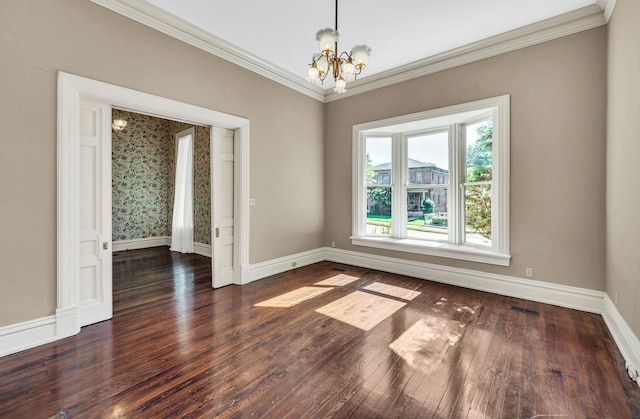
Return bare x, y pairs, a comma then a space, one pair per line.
281, 33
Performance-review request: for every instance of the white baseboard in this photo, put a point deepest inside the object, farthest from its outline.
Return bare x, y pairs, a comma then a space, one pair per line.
134, 244
14, 338
121, 245
26, 335
18, 337
626, 340
275, 266
202, 249
544, 292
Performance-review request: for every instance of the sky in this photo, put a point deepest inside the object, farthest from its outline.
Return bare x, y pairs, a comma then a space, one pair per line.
430, 148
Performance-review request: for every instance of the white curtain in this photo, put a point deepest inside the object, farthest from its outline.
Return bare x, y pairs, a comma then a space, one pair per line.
182, 228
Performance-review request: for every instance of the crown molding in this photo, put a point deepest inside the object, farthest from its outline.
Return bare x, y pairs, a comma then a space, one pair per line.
607, 6
160, 20
567, 24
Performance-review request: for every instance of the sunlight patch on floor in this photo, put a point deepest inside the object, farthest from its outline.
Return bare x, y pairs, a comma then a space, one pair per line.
294, 297
338, 280
392, 291
361, 309
419, 345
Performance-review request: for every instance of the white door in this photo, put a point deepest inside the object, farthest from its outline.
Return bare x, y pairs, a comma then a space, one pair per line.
94, 279
222, 206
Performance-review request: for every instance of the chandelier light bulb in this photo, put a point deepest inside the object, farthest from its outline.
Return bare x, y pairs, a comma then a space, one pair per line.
360, 54
328, 38
313, 75
343, 66
348, 71
323, 65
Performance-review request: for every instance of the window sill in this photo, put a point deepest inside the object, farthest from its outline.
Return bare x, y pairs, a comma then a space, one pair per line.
446, 250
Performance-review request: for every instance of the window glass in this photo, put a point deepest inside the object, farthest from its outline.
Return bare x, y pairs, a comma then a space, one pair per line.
428, 213
428, 164
378, 175
479, 146
428, 154
477, 188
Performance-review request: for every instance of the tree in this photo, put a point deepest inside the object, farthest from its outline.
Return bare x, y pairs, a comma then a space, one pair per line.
381, 198
428, 205
371, 174
479, 169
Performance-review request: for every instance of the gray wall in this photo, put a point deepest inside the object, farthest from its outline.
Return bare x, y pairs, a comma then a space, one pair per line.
40, 37
623, 167
558, 98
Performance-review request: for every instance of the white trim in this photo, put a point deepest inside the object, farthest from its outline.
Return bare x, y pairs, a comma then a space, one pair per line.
544, 292
566, 24
283, 264
122, 245
445, 250
202, 249
21, 336
498, 254
134, 244
627, 341
588, 17
241, 188
25, 335
607, 6
160, 20
70, 89
67, 322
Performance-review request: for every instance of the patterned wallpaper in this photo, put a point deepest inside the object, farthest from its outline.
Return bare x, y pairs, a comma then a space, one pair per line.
143, 166
140, 177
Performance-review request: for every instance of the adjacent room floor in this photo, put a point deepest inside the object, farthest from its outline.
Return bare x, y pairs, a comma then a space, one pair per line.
326, 340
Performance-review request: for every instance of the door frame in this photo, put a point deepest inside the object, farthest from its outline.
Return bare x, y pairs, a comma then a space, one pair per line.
71, 89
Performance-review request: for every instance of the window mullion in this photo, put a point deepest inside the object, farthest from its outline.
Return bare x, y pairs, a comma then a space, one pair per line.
359, 180
455, 190
399, 188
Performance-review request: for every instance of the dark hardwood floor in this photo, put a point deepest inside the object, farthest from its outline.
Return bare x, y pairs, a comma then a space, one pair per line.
361, 343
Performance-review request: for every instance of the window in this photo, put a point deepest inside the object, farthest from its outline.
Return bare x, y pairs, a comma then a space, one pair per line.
182, 225
435, 182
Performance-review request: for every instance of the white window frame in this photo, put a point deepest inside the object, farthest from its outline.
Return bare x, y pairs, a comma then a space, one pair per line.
454, 117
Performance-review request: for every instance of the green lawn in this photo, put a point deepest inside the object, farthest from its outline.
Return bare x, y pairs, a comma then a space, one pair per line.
417, 224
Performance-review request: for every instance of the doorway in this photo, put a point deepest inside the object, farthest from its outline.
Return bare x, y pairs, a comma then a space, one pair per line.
72, 90
143, 161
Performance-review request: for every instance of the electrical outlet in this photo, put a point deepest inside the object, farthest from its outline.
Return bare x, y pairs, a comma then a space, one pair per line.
528, 272
615, 298
333, 244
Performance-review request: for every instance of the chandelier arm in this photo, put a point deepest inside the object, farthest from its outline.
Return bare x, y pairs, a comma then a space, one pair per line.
344, 66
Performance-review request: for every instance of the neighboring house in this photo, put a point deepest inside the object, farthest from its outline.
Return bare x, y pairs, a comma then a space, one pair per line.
420, 173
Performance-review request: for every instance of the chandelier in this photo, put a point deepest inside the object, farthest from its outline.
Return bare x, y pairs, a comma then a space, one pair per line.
344, 66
